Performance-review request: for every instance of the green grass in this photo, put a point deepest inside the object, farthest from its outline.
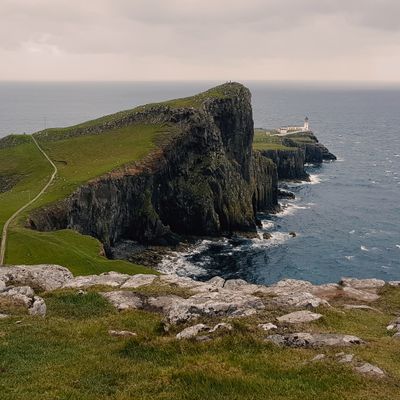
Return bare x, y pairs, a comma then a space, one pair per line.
264, 140
79, 159
79, 253
69, 355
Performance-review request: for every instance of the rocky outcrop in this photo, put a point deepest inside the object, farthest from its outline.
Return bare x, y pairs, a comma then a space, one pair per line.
205, 181
289, 163
303, 339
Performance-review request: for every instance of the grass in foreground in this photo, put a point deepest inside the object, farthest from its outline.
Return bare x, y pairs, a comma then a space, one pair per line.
81, 254
69, 355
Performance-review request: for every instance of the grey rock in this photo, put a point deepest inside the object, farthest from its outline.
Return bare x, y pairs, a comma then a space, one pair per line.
41, 277
221, 304
22, 295
164, 303
267, 326
303, 339
300, 300
221, 326
38, 307
192, 331
216, 282
123, 300
2, 286
369, 369
362, 283
345, 358
112, 279
299, 317
138, 280
394, 283
203, 338
358, 294
4, 316
121, 333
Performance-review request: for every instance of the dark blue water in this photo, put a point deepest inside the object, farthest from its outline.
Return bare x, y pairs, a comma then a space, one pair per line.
347, 220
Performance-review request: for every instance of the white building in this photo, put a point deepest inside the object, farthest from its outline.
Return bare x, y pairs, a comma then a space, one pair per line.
293, 129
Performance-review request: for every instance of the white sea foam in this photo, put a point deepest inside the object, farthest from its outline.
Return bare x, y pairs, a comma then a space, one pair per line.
364, 248
290, 209
266, 224
352, 232
349, 257
398, 246
276, 239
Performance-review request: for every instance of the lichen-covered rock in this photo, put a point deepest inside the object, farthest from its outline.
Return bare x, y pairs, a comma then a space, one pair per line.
267, 326
22, 295
222, 326
125, 334
362, 284
213, 304
299, 317
304, 339
138, 280
38, 307
369, 369
358, 294
192, 331
123, 300
112, 279
40, 277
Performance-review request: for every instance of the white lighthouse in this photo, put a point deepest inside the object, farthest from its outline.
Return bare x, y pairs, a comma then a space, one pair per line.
306, 126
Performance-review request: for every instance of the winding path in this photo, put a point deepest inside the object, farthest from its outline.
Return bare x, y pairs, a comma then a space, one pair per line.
3, 243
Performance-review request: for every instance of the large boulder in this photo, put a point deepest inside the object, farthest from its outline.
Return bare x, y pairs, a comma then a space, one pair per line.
42, 277
299, 317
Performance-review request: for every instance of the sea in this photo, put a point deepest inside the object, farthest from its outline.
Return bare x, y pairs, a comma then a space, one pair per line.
346, 219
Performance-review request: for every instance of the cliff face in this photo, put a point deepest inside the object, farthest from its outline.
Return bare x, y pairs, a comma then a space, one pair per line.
290, 163
205, 182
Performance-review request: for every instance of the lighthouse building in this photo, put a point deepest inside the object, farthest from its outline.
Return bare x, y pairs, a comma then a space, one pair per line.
294, 129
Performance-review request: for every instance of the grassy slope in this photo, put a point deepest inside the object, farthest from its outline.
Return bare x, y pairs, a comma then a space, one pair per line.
79, 159
69, 355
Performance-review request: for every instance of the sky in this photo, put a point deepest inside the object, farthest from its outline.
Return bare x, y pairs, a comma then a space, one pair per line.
141, 40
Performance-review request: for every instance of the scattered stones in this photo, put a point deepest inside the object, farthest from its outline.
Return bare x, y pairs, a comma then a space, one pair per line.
123, 300
369, 369
112, 279
192, 331
121, 333
267, 327
299, 317
138, 280
304, 339
221, 326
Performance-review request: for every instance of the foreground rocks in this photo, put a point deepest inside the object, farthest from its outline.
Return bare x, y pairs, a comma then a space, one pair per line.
304, 339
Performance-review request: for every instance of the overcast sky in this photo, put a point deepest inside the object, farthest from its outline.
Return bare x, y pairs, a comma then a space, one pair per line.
200, 39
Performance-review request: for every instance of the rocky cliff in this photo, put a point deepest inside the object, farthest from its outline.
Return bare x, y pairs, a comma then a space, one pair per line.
204, 181
289, 163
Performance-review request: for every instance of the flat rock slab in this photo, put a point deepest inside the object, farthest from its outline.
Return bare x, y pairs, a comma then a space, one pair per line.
362, 284
369, 369
358, 294
214, 304
299, 317
123, 300
112, 279
304, 339
267, 326
138, 280
44, 277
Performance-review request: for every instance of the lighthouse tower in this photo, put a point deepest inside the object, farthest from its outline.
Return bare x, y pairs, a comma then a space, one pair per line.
306, 126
